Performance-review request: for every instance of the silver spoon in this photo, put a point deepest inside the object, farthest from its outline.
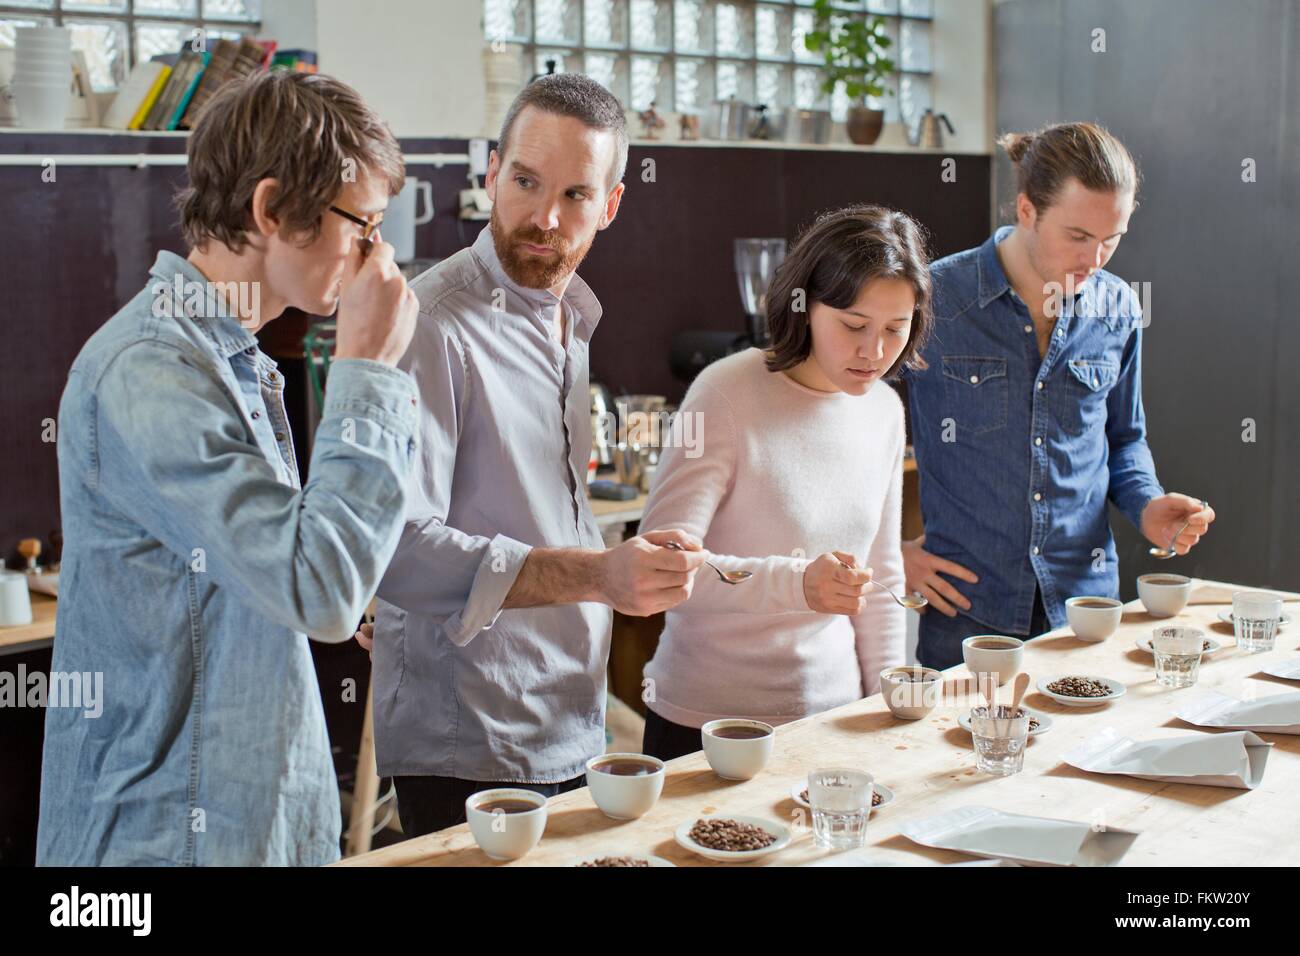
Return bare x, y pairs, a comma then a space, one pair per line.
911, 601
1165, 554
727, 577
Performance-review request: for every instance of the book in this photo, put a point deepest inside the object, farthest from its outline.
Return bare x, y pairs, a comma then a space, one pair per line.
188, 60
196, 69
143, 83
164, 74
230, 60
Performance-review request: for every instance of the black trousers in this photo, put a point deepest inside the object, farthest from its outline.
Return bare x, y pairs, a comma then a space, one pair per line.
428, 804
666, 740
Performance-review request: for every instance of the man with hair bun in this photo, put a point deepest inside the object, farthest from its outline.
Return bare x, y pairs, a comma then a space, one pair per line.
1029, 417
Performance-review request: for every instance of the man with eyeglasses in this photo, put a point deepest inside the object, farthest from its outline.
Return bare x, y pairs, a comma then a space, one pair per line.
195, 564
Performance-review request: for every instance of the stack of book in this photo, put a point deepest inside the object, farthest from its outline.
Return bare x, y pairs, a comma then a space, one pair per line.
167, 92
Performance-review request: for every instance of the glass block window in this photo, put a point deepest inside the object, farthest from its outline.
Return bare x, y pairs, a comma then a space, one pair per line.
683, 54
115, 34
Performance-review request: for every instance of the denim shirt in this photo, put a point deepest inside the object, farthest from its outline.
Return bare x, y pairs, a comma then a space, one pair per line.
1018, 455
194, 567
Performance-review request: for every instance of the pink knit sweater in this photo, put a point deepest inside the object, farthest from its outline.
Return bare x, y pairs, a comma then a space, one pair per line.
781, 474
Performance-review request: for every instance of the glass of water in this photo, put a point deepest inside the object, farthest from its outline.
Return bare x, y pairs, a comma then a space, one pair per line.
1255, 616
999, 739
841, 804
1177, 652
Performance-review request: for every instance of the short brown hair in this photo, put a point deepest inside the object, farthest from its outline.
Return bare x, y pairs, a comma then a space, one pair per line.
1045, 160
840, 253
578, 96
303, 130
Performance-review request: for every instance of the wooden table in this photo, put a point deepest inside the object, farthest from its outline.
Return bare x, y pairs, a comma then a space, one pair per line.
930, 766
38, 634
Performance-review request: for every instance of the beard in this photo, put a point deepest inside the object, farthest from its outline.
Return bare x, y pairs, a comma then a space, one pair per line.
533, 271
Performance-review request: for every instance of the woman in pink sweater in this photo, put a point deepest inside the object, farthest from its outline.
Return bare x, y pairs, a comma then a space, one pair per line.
796, 471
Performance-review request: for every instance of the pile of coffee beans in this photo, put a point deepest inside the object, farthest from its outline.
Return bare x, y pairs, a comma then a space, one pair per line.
730, 835
1079, 687
615, 861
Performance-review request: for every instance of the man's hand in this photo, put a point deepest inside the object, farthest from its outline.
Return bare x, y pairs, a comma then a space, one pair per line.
641, 577
365, 636
1163, 516
834, 584
376, 313
922, 570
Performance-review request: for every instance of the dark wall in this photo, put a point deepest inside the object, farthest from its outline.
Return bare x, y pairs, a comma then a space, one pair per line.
74, 250
1193, 87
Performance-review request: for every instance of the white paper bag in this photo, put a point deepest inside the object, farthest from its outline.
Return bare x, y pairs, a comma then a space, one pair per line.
1215, 760
1033, 841
1275, 714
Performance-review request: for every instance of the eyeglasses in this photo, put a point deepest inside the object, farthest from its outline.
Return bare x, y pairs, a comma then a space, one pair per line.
368, 226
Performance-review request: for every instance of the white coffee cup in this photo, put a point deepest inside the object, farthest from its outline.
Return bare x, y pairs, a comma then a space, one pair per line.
1003, 660
15, 602
737, 758
501, 835
1093, 623
624, 796
1164, 600
910, 700
400, 218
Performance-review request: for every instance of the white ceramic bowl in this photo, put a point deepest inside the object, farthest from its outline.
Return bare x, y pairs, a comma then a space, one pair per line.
910, 700
624, 796
1093, 624
1004, 661
799, 786
1117, 690
506, 836
778, 830
1164, 600
734, 758
41, 106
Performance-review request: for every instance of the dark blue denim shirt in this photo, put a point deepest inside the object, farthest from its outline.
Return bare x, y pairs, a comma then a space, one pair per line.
1019, 455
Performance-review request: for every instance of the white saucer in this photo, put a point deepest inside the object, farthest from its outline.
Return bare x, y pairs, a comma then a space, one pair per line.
1044, 721
652, 860
778, 830
1144, 644
799, 786
1117, 690
1226, 617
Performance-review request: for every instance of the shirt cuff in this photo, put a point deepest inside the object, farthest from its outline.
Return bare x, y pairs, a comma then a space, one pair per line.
493, 580
372, 390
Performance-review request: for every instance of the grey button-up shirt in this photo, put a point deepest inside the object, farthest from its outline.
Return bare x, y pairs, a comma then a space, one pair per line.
461, 687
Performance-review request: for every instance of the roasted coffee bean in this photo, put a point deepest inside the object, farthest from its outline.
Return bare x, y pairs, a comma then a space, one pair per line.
1079, 687
615, 861
730, 835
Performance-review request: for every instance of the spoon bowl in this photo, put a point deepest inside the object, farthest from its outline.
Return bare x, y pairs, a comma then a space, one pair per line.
727, 577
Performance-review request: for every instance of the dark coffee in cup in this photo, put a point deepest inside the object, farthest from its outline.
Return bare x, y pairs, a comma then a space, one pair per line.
739, 733
1165, 580
992, 644
626, 767
506, 805
1094, 602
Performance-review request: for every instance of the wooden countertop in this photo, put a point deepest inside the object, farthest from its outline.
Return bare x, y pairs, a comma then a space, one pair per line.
39, 633
930, 766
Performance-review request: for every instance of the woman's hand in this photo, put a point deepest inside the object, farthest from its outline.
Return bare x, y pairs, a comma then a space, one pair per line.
834, 584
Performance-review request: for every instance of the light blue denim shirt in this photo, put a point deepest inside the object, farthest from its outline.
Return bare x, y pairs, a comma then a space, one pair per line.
194, 567
1019, 455
463, 688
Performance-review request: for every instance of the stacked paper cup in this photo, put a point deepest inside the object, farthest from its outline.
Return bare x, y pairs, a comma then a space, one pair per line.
42, 76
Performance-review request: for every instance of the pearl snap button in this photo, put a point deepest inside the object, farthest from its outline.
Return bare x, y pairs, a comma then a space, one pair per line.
974, 379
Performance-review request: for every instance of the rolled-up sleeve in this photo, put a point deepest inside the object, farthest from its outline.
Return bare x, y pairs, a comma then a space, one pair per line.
173, 452
438, 570
1132, 469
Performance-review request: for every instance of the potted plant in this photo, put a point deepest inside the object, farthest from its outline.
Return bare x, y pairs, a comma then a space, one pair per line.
853, 52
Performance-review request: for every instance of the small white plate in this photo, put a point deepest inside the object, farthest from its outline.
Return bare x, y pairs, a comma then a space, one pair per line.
1287, 670
778, 830
652, 860
1044, 722
1226, 617
1144, 644
1117, 690
799, 786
